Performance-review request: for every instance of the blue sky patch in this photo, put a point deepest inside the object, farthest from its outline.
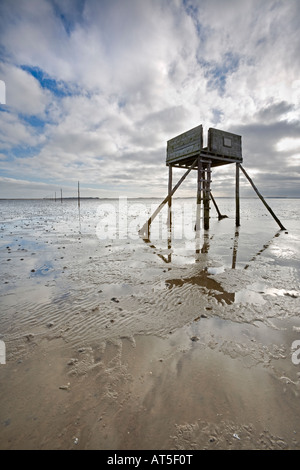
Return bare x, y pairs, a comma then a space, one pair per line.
217, 73
20, 152
69, 17
33, 121
58, 87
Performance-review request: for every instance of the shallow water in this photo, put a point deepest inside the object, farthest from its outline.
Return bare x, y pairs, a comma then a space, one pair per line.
56, 266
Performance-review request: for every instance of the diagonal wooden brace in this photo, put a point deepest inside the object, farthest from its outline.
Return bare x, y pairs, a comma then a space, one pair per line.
144, 231
261, 197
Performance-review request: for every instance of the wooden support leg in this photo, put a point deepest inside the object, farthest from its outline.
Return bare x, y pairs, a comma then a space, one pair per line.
237, 195
199, 191
198, 207
261, 197
170, 200
206, 196
220, 216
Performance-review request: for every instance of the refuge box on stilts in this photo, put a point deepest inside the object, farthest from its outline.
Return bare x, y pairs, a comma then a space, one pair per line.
186, 151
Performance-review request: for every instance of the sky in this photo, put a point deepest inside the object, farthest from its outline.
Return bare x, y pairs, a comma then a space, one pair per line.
94, 89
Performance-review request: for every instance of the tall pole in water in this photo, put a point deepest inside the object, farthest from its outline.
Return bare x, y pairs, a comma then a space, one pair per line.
237, 194
61, 195
78, 195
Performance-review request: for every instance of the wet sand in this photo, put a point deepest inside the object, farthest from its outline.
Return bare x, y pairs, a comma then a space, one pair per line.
127, 344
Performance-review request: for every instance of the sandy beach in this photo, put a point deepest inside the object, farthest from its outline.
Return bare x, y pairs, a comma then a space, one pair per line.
122, 343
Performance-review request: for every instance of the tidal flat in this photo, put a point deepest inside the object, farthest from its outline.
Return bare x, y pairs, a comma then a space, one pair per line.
175, 342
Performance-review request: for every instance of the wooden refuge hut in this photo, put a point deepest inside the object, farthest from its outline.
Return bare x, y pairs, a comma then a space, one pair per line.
186, 151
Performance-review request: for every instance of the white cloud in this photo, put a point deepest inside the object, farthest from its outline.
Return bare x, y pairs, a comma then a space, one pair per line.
23, 92
2, 92
287, 144
14, 133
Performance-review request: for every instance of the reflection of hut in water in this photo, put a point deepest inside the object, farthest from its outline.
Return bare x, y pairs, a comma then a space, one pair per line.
213, 287
186, 151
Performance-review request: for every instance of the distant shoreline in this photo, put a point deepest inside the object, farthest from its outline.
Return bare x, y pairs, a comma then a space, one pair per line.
133, 198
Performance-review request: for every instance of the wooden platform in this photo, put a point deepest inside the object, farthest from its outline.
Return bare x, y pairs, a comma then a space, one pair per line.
206, 156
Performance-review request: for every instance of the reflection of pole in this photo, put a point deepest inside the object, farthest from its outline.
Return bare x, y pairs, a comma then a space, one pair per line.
235, 248
205, 246
61, 195
261, 197
78, 196
55, 197
263, 249
169, 248
237, 195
